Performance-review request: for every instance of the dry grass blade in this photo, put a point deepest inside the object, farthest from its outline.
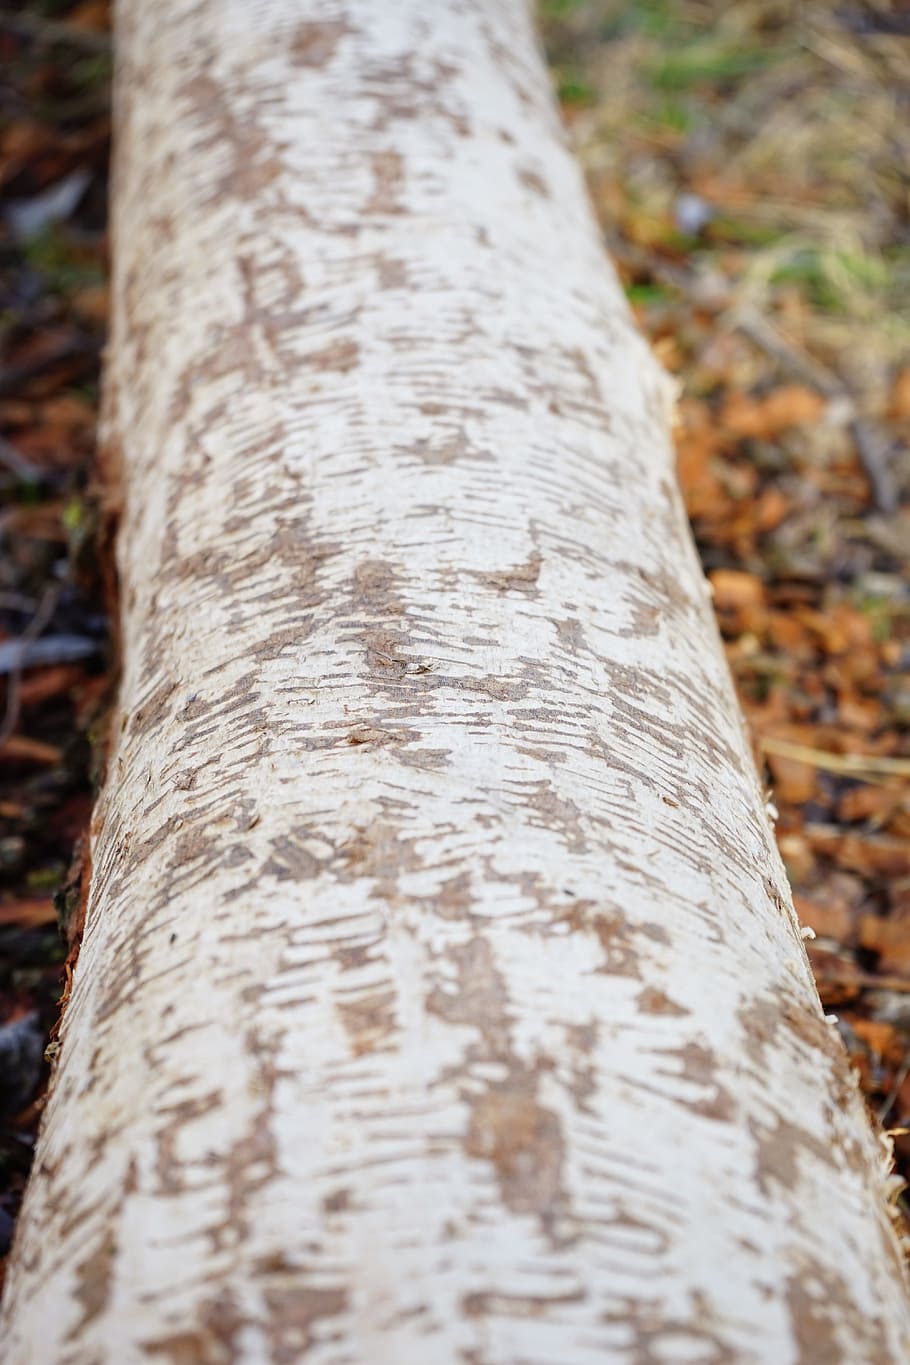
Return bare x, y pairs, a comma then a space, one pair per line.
868, 767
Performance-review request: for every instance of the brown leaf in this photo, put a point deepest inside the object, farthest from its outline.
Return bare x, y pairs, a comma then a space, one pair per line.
28, 914
890, 939
900, 395
880, 1037
829, 916
764, 418
44, 683
20, 749
735, 590
869, 802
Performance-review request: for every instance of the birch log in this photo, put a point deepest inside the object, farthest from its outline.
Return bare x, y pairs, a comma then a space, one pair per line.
441, 998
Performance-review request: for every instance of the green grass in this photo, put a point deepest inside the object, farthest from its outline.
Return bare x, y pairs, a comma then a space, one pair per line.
572, 88
559, 9
52, 254
648, 293
706, 62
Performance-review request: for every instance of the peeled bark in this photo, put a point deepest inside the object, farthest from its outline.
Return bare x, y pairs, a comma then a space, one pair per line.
441, 998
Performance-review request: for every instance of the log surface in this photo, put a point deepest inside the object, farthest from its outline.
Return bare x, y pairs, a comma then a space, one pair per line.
441, 999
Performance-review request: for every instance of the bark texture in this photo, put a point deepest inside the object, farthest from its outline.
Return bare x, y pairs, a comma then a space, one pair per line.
441, 999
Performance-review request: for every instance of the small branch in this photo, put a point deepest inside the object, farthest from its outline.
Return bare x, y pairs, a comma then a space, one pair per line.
17, 376
873, 456
42, 616
871, 449
868, 767
53, 31
899, 1079
13, 460
789, 357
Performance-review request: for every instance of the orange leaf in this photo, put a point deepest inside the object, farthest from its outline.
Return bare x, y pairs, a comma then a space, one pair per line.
890, 939
735, 590
21, 749
28, 914
900, 395
879, 1036
789, 406
829, 918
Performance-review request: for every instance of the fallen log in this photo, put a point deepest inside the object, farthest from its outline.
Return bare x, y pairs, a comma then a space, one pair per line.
441, 997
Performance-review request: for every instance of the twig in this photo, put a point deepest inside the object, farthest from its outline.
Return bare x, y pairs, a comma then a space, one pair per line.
20, 748
871, 449
42, 616
873, 456
870, 767
855, 976
774, 344
50, 650
17, 376
53, 31
899, 1079
16, 462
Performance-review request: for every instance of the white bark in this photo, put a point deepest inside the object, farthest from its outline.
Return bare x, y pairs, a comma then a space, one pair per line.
441, 999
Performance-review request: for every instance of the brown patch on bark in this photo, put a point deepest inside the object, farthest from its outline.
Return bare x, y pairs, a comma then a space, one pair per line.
490, 1303
107, 490
523, 1140
72, 905
778, 1150
291, 860
819, 1300
212, 1342
454, 898
763, 1019
373, 587
446, 448
382, 653
251, 1165
187, 1348
571, 636
532, 181
253, 163
495, 688
167, 1166
152, 711
614, 936
339, 1201
369, 1021
699, 1066
523, 578
402, 94
388, 182
316, 41
478, 999
340, 356
582, 1041
392, 273
653, 1001
94, 1280
293, 1315
508, 1125
369, 734
558, 814
381, 853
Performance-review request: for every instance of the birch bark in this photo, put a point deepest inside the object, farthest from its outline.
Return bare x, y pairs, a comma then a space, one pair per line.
441, 999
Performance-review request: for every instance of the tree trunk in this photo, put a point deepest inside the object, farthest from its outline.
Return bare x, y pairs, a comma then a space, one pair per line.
441, 999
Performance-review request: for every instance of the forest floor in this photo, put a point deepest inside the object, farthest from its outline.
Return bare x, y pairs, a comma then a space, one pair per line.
749, 166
